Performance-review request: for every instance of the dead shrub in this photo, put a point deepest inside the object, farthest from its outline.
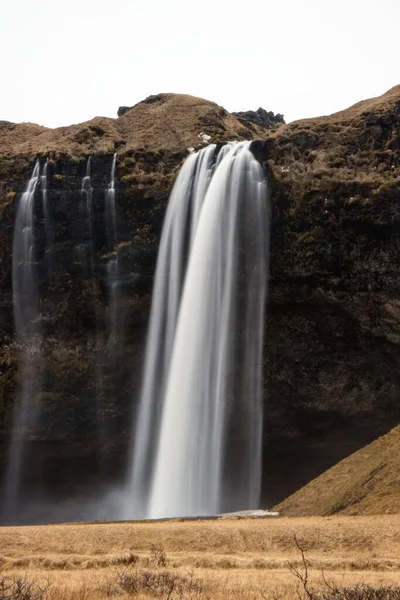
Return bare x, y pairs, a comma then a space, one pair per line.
158, 556
130, 559
332, 591
19, 588
166, 584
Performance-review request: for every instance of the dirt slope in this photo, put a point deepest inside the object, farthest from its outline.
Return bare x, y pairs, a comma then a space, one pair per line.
365, 483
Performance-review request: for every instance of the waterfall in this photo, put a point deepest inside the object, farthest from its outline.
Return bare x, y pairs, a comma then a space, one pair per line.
29, 336
115, 322
178, 232
209, 450
86, 242
48, 225
111, 225
110, 339
197, 442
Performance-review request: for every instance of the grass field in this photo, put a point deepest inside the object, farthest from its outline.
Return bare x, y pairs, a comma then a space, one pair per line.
224, 559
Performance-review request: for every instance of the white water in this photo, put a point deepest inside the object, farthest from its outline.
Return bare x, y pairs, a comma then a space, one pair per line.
178, 233
86, 243
113, 280
209, 453
26, 312
49, 247
111, 226
197, 443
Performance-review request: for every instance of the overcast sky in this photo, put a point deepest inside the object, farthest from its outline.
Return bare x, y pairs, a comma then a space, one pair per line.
66, 62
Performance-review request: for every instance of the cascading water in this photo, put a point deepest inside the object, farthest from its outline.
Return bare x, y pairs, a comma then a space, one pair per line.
86, 242
209, 452
178, 233
49, 248
197, 439
115, 322
28, 330
197, 447
109, 341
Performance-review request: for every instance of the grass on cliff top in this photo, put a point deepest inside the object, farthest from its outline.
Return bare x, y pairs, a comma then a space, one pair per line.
346, 154
172, 122
377, 105
365, 483
232, 559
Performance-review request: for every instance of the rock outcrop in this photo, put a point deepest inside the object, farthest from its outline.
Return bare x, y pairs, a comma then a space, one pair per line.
261, 117
332, 349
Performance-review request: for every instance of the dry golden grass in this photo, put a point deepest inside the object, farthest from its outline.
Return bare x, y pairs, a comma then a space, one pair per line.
224, 559
174, 123
367, 482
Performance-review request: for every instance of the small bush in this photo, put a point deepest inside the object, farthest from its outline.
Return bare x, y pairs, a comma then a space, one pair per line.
331, 591
129, 559
158, 556
22, 589
166, 584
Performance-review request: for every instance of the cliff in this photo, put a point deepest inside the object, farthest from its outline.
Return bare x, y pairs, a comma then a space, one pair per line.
332, 352
333, 322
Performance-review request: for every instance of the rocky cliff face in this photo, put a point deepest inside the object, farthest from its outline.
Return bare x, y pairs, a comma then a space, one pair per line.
333, 324
333, 344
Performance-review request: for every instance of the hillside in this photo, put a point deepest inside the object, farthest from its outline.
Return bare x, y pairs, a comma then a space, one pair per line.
332, 344
169, 122
351, 156
365, 483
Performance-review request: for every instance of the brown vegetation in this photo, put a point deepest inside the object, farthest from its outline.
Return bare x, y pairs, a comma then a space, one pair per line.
225, 559
351, 156
173, 123
367, 482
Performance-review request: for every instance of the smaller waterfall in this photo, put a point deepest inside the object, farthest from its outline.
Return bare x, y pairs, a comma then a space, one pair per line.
111, 339
111, 222
28, 330
86, 242
25, 293
48, 225
113, 278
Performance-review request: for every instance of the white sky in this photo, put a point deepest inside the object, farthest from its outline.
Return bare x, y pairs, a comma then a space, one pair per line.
66, 62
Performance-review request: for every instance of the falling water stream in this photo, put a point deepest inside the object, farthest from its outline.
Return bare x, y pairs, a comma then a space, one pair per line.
178, 234
29, 335
196, 440
113, 280
48, 225
197, 444
86, 242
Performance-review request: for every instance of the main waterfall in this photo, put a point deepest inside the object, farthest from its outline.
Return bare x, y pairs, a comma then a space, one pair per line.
178, 232
197, 446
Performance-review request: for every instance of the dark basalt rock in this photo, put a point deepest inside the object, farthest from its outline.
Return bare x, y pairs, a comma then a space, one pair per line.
261, 117
154, 98
122, 110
